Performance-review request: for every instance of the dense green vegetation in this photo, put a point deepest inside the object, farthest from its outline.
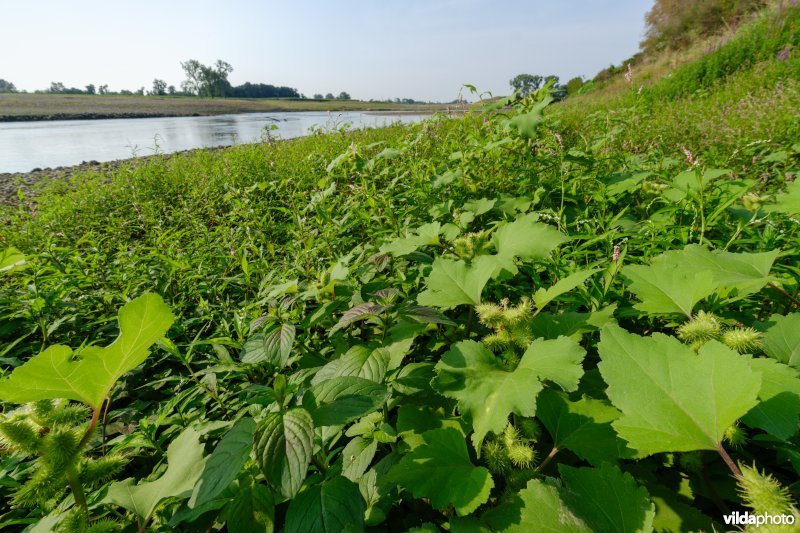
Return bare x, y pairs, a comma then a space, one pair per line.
567, 318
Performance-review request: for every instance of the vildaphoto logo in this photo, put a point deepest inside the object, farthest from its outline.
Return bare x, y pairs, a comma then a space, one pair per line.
745, 518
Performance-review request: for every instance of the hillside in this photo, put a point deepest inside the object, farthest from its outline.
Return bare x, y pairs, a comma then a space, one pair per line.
579, 316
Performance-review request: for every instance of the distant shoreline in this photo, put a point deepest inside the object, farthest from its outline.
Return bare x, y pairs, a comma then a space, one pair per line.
26, 107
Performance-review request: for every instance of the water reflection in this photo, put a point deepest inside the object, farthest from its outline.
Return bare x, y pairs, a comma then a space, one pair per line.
28, 145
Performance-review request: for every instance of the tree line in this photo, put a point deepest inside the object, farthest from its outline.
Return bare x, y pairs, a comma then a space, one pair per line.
209, 81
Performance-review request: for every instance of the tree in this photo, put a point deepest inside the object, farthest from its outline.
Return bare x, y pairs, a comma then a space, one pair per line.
171, 89
318, 96
526, 83
103, 89
329, 96
90, 89
343, 96
159, 87
56, 87
7, 86
205, 80
574, 85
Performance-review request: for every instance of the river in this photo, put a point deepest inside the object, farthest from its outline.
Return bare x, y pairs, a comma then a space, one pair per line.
25, 146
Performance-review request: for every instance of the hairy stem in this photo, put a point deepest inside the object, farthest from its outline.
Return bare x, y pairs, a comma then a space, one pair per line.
728, 461
77, 488
547, 459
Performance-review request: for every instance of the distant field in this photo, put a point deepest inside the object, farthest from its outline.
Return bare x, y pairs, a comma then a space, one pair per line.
14, 107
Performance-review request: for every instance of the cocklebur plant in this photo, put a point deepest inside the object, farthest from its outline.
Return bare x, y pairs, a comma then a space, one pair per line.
55, 431
704, 327
511, 324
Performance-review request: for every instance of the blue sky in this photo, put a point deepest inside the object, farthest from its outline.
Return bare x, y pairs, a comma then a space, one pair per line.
371, 48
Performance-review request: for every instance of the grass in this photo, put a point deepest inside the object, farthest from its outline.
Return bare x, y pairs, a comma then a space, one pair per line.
339, 237
57, 106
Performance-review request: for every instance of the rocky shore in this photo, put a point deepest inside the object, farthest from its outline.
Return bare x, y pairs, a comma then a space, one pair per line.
10, 183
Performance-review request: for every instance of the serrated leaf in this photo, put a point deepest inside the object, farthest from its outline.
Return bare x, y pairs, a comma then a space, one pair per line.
485, 391
583, 427
334, 506
358, 361
676, 280
273, 345
225, 462
778, 411
782, 339
525, 238
184, 466
608, 499
671, 398
557, 360
340, 400
738, 273
55, 373
537, 507
360, 312
283, 445
357, 456
453, 283
253, 509
664, 289
440, 469
542, 297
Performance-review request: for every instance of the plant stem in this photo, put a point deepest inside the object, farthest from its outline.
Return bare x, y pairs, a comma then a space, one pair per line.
77, 488
90, 429
794, 300
728, 461
547, 459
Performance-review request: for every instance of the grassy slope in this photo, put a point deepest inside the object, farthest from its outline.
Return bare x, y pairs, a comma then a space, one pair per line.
65, 106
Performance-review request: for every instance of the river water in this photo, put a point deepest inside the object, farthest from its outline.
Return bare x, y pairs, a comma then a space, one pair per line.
25, 146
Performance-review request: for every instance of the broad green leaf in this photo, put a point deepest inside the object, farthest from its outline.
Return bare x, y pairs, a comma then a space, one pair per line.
537, 507
571, 324
427, 234
671, 398
734, 274
525, 238
11, 260
184, 466
557, 360
623, 182
453, 283
608, 499
253, 509
782, 339
358, 361
676, 280
283, 445
485, 391
272, 345
542, 296
340, 400
788, 202
441, 470
358, 313
334, 506
583, 427
525, 124
55, 373
357, 456
778, 411
664, 289
225, 462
